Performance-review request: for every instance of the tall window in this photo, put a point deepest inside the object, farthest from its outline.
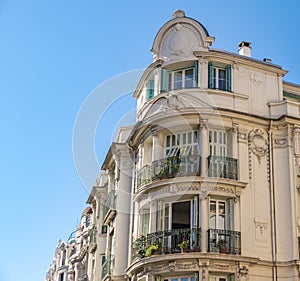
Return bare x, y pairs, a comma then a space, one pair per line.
217, 213
219, 77
145, 217
218, 143
184, 143
221, 214
150, 89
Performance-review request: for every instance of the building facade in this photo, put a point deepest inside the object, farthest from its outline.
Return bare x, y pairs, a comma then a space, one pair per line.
206, 185
71, 260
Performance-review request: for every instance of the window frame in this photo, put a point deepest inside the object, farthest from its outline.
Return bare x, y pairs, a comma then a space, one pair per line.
214, 79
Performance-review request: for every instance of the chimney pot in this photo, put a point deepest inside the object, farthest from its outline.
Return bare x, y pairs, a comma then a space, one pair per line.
245, 49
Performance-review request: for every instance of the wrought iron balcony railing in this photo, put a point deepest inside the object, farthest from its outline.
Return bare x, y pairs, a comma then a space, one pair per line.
110, 205
107, 267
222, 167
224, 241
170, 167
168, 242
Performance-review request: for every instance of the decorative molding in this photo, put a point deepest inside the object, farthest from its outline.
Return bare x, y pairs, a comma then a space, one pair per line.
235, 128
213, 266
261, 230
280, 141
256, 79
258, 143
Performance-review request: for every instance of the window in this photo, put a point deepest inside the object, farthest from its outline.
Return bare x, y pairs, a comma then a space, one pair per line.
219, 77
184, 143
61, 276
145, 217
180, 78
150, 89
63, 260
217, 213
103, 229
87, 220
221, 214
217, 143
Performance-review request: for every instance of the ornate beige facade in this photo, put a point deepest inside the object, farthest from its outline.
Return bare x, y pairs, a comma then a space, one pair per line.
206, 185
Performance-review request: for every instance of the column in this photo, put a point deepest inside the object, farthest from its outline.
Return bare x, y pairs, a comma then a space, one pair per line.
236, 213
203, 146
122, 233
204, 222
156, 147
234, 143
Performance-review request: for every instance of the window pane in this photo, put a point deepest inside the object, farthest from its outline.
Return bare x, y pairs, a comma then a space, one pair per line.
222, 79
215, 77
170, 81
221, 217
189, 78
178, 80
168, 141
212, 214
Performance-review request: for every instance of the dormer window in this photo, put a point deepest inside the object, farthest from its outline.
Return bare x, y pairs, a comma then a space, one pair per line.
219, 76
182, 78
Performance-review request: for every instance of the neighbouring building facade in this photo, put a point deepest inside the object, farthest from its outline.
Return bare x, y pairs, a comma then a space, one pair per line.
206, 185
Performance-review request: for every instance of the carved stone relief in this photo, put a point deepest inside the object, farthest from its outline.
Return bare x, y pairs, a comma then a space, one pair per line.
261, 230
258, 143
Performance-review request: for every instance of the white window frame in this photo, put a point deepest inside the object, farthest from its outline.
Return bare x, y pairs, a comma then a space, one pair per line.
218, 141
187, 142
220, 83
183, 80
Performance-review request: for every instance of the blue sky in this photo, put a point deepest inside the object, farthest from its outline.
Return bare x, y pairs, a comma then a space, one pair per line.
52, 55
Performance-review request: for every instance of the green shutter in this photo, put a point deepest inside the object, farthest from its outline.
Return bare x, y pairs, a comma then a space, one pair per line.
231, 277
150, 89
211, 84
164, 80
196, 63
228, 78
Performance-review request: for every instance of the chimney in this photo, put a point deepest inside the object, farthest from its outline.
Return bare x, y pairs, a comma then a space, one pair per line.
245, 49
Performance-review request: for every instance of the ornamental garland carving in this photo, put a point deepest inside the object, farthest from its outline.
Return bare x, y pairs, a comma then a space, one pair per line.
258, 143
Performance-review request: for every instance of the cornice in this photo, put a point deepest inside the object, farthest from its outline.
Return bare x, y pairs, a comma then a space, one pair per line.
238, 59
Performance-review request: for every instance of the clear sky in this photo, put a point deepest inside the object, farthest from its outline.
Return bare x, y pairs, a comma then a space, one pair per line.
52, 55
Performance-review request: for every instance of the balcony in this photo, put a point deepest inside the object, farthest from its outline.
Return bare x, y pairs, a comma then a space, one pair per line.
167, 241
224, 241
110, 207
222, 167
170, 167
107, 267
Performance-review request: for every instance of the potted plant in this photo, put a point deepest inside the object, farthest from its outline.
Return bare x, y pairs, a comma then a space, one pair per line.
222, 246
183, 245
151, 250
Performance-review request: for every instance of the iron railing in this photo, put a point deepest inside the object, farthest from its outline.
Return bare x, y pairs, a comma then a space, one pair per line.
110, 203
222, 167
224, 241
168, 242
170, 167
107, 267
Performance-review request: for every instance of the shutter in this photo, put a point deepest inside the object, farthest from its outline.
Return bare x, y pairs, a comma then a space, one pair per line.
231, 277
164, 80
196, 64
211, 75
150, 89
228, 78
